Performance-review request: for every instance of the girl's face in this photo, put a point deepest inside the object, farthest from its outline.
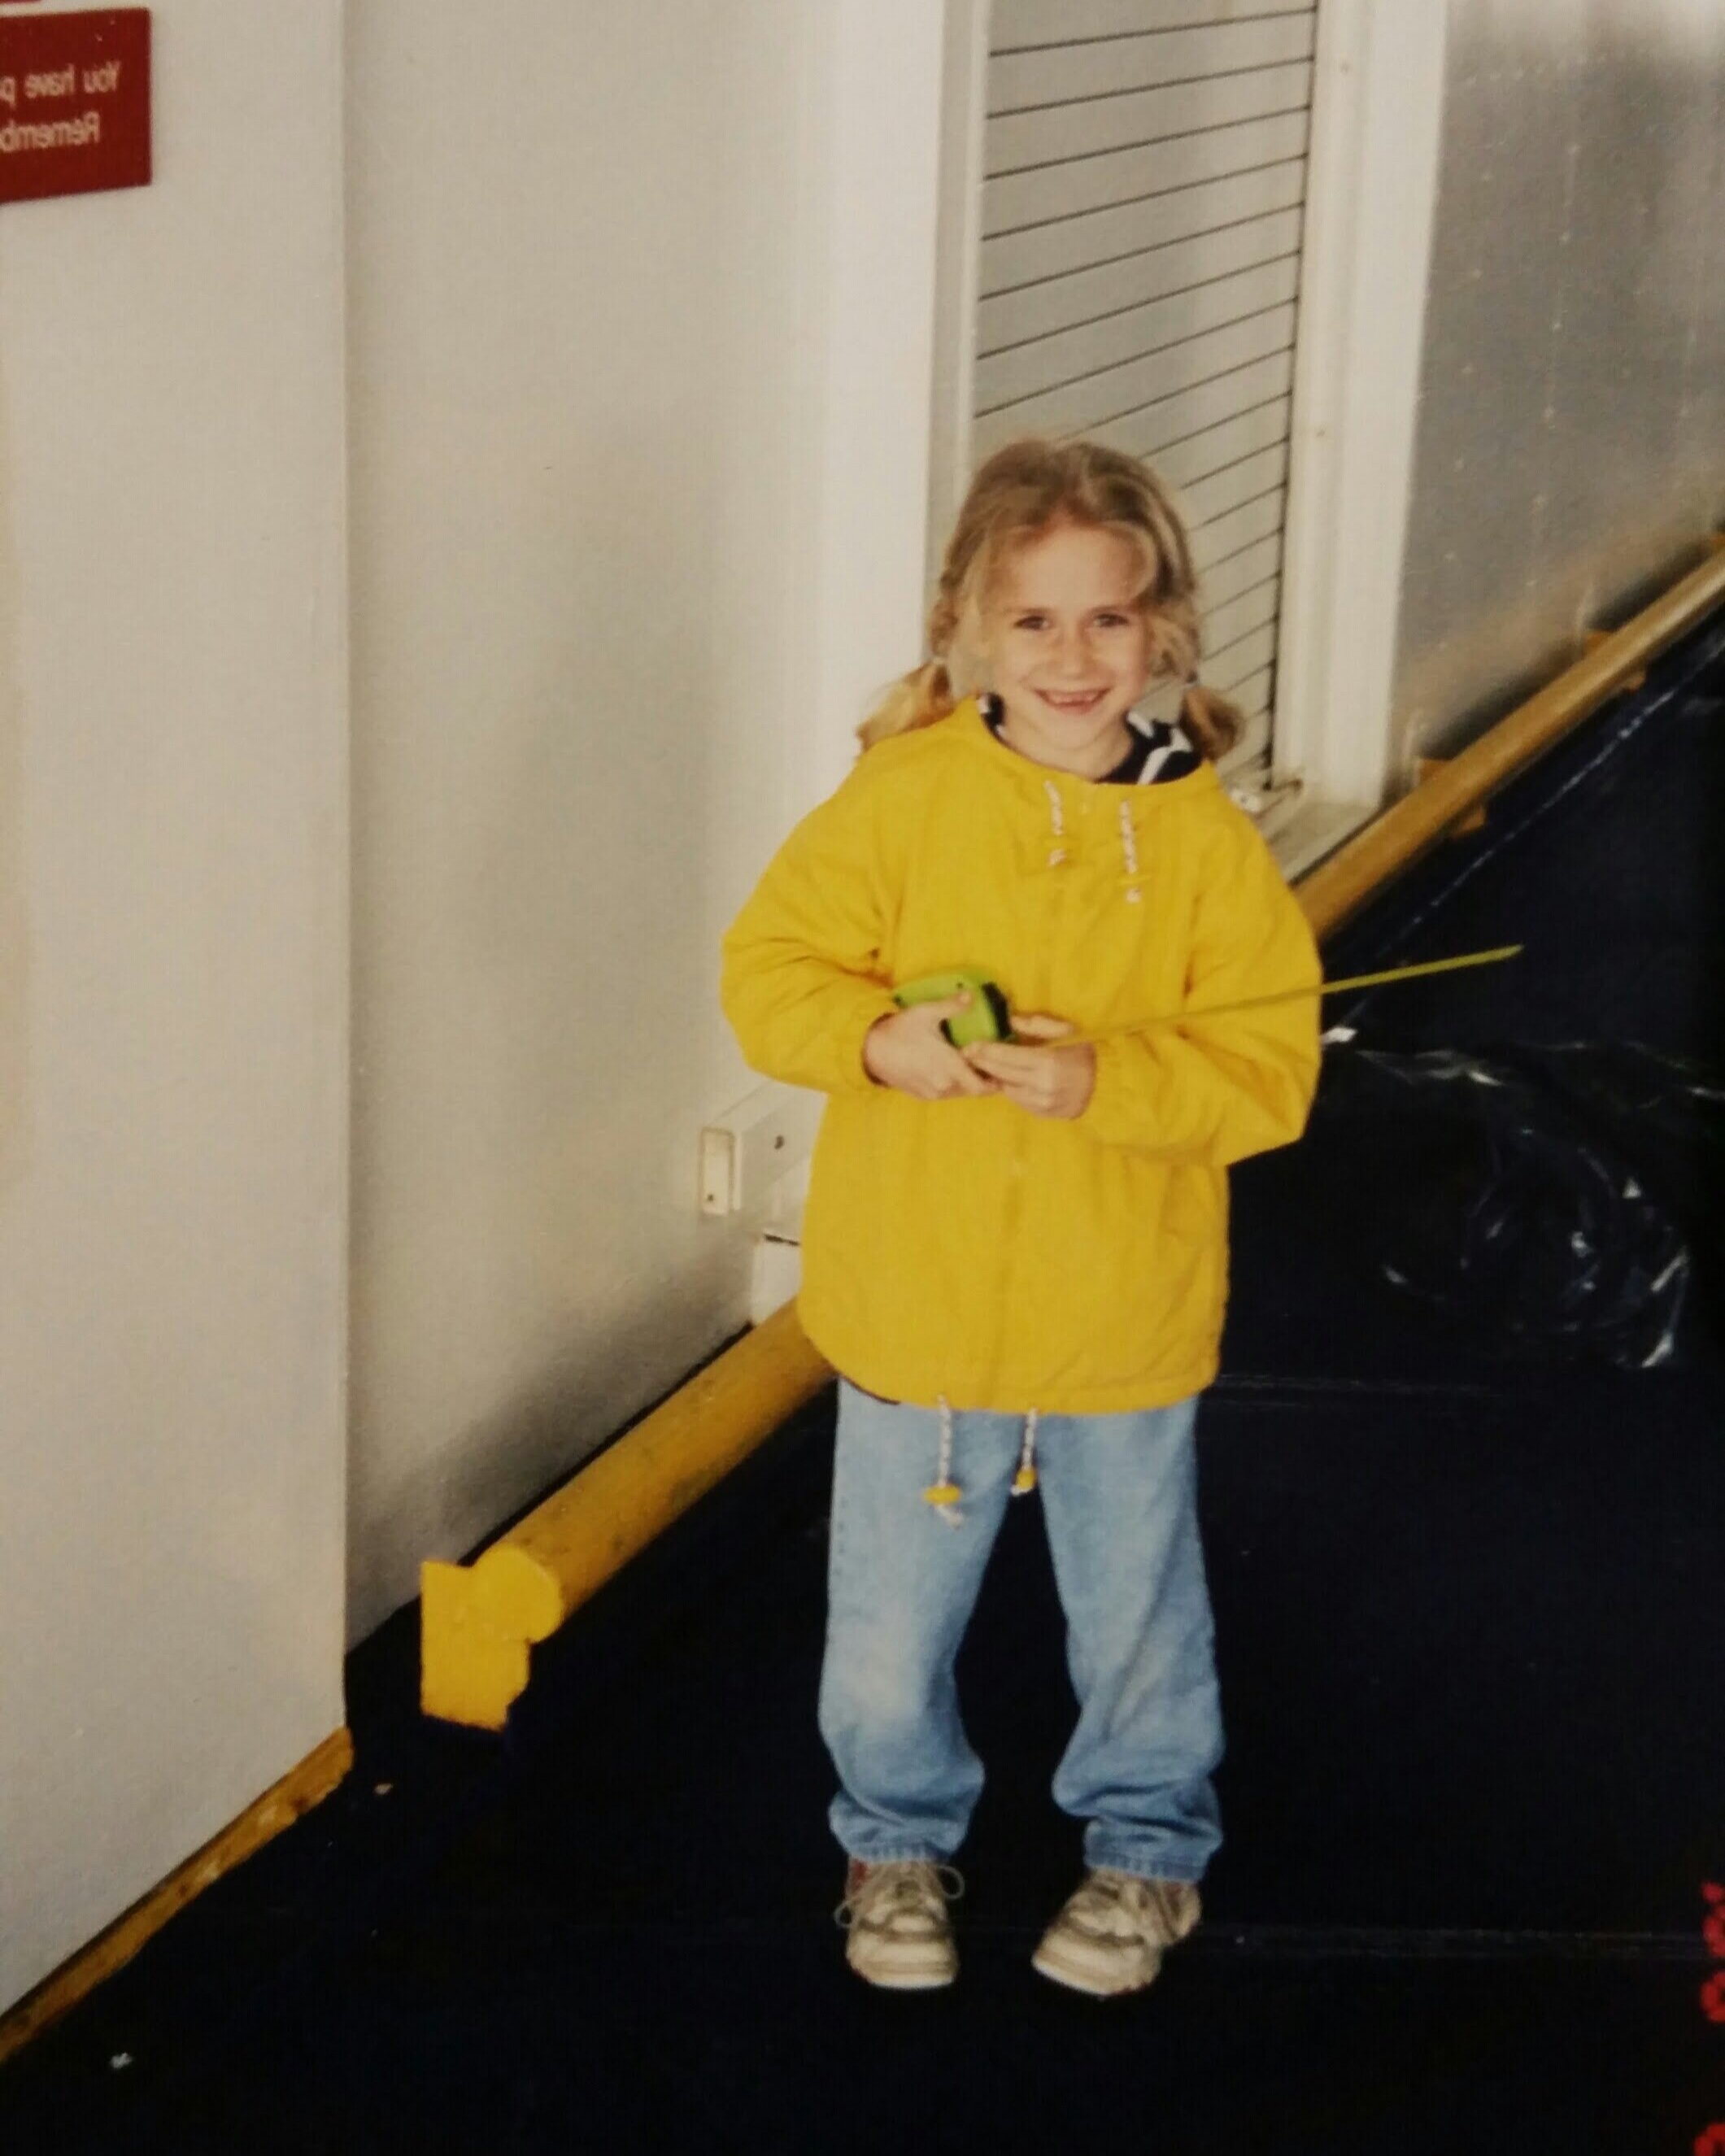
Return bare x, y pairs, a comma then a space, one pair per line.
1068, 649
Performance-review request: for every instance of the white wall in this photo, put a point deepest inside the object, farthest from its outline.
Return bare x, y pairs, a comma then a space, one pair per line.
641, 307
172, 980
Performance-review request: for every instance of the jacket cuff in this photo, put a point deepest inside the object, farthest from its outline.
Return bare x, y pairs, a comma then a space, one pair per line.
1133, 1102
853, 1075
1112, 1115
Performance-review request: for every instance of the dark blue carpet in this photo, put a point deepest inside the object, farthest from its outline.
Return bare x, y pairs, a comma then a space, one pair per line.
1467, 1620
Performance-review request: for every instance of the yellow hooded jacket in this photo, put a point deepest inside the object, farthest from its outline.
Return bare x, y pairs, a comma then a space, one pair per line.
965, 1249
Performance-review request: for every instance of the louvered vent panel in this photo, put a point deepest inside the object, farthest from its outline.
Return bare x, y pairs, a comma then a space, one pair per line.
1145, 170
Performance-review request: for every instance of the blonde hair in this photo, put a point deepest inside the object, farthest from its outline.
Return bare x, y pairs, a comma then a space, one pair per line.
1022, 492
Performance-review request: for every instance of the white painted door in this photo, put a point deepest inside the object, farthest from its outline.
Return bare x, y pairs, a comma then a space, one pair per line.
1132, 246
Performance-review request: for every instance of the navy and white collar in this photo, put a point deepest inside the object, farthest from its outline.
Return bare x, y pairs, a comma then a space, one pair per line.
1161, 749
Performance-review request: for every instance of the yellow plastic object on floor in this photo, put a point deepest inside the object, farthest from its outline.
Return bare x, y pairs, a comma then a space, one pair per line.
479, 1623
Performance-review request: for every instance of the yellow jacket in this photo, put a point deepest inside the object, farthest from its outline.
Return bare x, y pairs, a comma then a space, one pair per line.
965, 1249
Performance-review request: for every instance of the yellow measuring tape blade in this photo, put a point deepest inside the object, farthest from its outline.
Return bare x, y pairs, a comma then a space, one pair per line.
1298, 995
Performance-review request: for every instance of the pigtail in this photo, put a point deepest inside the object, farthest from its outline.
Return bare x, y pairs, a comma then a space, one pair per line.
920, 698
1214, 721
926, 695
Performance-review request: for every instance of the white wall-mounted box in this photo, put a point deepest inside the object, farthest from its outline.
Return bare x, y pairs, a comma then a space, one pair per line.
746, 1154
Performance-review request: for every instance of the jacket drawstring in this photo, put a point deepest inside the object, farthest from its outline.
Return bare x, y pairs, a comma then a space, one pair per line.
1129, 847
1025, 1479
944, 1493
1057, 816
1057, 855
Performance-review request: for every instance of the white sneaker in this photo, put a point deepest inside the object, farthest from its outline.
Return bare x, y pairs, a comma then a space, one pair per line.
1110, 1937
895, 1912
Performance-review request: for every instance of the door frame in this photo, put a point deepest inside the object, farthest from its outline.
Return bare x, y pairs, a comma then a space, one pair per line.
1372, 176
957, 256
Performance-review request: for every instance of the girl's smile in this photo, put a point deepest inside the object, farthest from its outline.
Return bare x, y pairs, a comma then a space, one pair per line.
1069, 648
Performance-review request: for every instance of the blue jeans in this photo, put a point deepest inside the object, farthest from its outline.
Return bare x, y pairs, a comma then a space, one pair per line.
1119, 1496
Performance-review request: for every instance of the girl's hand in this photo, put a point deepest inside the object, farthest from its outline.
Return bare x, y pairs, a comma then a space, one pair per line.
909, 1052
1049, 1080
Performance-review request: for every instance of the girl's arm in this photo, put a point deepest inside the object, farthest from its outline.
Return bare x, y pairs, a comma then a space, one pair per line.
1218, 1089
803, 980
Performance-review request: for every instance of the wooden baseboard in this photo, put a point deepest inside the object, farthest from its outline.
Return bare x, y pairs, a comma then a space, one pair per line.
295, 1794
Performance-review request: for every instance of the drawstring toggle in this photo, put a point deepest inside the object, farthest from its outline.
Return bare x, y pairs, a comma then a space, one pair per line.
943, 1493
1025, 1479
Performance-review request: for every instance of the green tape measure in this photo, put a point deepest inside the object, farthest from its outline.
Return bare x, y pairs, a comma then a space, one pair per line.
987, 1018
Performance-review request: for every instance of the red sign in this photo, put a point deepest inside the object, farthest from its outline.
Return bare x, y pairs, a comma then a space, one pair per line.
74, 103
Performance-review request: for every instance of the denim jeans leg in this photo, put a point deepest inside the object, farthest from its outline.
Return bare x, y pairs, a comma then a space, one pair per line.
1120, 1494
902, 1581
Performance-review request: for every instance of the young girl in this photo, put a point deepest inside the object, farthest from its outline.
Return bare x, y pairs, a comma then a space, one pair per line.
1015, 1254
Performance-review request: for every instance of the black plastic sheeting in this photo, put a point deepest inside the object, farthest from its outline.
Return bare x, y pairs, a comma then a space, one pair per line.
1549, 1200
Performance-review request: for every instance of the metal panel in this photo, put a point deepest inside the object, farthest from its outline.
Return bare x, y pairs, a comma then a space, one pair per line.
1011, 200
1122, 390
1228, 665
1018, 139
1083, 270
1253, 697
1198, 455
1215, 540
1243, 572
1128, 176
1236, 483
1052, 363
1157, 428
1020, 82
1144, 168
1019, 23
1571, 441
1224, 625
1122, 235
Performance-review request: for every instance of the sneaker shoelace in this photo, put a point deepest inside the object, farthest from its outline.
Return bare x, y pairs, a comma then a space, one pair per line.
1120, 1906
901, 1895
